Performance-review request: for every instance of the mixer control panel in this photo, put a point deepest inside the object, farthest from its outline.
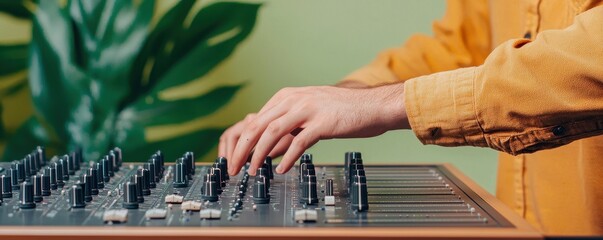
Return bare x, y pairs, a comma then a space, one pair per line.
65, 191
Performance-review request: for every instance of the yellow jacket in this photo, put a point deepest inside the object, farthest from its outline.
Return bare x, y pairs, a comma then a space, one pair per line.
518, 77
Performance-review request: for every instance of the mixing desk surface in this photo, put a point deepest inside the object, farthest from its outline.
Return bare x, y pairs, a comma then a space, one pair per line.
64, 197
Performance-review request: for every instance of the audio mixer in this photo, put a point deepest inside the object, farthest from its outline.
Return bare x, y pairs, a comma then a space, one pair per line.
65, 197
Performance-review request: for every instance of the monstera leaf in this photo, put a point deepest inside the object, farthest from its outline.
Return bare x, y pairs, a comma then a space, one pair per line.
97, 68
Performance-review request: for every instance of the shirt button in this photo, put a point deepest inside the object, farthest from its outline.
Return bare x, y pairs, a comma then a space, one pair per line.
528, 35
558, 131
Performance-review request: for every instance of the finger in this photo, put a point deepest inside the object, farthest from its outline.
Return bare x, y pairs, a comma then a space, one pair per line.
305, 139
282, 146
276, 130
232, 135
251, 135
222, 145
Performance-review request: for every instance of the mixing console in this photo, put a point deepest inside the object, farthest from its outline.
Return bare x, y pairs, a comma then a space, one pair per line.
112, 195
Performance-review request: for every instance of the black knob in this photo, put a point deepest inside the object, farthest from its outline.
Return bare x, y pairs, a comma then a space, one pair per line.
348, 158
130, 196
329, 187
210, 189
154, 161
137, 179
7, 186
13, 178
33, 165
180, 177
26, 197
75, 157
21, 175
58, 168
118, 156
27, 168
359, 193
212, 175
37, 163
306, 158
268, 165
106, 169
223, 165
76, 196
146, 181
86, 184
93, 172
111, 164
189, 157
52, 177
70, 164
99, 175
260, 191
37, 183
306, 169
46, 183
263, 172
161, 163
41, 155
65, 166
150, 167
218, 172
114, 161
309, 192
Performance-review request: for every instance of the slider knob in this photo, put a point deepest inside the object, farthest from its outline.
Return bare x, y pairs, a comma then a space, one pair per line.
180, 176
329, 187
7, 186
130, 196
76, 197
359, 194
26, 198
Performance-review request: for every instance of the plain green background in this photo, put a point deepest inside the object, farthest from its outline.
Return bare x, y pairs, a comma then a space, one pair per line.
317, 42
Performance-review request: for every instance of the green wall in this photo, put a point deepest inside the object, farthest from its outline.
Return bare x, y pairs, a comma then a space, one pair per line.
317, 42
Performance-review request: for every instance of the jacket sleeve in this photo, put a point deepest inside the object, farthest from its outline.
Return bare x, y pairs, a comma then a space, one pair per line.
460, 39
527, 96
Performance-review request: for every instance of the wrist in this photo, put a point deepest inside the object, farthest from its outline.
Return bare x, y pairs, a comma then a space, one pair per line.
392, 106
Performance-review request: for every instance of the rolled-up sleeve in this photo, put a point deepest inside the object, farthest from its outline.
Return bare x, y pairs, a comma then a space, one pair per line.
527, 96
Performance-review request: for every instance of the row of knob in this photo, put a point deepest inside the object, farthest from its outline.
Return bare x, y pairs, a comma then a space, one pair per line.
145, 179
356, 181
36, 180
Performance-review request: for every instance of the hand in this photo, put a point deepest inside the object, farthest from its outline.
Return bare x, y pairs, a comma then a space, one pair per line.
294, 119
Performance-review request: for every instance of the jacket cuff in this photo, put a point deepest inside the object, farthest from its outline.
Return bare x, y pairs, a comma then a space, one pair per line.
441, 108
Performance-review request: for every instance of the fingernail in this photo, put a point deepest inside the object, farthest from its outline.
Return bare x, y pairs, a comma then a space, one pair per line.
279, 169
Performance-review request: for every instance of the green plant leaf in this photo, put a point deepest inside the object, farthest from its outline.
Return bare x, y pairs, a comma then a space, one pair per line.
155, 46
13, 58
211, 37
10, 90
15, 8
2, 131
29, 134
58, 88
159, 112
200, 142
